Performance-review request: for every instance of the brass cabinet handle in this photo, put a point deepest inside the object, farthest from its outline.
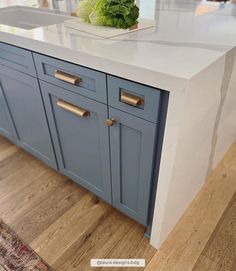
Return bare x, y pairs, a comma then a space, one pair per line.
131, 99
110, 122
68, 78
73, 109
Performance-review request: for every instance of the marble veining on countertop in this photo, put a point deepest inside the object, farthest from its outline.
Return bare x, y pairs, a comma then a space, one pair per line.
188, 37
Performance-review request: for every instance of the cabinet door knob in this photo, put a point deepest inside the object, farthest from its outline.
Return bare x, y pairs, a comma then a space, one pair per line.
66, 77
110, 122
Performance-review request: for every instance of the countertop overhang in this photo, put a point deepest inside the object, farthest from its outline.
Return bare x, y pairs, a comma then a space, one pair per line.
187, 39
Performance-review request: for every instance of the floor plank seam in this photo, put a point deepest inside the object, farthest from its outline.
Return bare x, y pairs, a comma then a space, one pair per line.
221, 265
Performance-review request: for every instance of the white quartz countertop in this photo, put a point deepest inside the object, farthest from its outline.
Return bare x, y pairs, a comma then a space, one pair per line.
189, 36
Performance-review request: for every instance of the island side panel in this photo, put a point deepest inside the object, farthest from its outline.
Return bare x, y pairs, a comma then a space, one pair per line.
225, 126
187, 148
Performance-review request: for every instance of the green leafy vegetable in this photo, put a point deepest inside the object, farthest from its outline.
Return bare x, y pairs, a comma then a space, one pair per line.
116, 13
85, 8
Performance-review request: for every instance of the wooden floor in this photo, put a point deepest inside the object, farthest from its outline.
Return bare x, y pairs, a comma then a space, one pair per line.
67, 226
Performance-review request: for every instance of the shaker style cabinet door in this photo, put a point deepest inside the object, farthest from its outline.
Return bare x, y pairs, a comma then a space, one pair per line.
24, 101
80, 137
6, 127
132, 142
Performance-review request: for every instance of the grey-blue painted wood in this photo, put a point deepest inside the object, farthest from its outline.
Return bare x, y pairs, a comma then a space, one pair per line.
17, 58
6, 127
132, 143
151, 96
81, 144
27, 111
93, 84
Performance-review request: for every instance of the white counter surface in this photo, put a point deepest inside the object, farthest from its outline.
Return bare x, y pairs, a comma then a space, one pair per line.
189, 36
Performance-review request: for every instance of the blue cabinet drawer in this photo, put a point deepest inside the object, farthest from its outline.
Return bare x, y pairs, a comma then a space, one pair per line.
133, 98
17, 58
78, 79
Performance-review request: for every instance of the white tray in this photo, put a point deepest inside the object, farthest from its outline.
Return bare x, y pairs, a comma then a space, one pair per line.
104, 31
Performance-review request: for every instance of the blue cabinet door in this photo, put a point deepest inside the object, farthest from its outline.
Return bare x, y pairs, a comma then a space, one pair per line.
23, 97
132, 142
6, 127
80, 137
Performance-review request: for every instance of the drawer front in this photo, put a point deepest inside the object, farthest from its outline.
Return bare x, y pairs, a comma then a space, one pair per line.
81, 80
134, 98
17, 58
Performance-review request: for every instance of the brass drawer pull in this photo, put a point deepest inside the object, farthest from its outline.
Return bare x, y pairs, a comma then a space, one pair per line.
131, 99
68, 78
73, 109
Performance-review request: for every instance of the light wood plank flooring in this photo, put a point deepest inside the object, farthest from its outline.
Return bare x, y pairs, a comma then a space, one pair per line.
67, 226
